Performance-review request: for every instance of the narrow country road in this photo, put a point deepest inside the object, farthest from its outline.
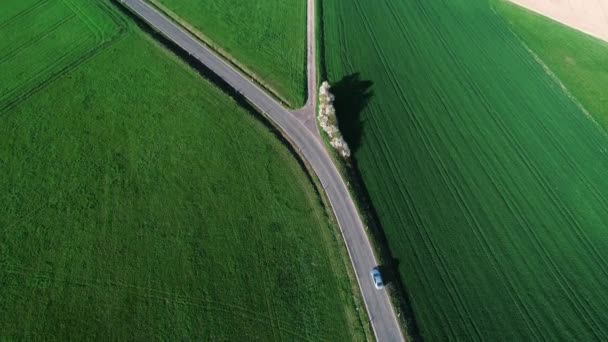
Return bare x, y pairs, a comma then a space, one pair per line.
310, 147
306, 115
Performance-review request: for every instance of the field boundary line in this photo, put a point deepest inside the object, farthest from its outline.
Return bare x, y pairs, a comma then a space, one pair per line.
17, 15
96, 30
28, 43
219, 50
44, 71
28, 92
542, 63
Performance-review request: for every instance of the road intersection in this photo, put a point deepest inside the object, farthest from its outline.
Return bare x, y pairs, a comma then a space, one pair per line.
299, 128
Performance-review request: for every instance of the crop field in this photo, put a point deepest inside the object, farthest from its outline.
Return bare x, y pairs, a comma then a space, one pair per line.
577, 59
140, 202
488, 179
267, 37
52, 36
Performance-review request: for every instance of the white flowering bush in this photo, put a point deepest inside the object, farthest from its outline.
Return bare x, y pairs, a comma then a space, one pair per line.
329, 122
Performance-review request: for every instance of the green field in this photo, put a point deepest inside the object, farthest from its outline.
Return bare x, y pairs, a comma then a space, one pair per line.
577, 59
488, 180
267, 37
59, 36
140, 202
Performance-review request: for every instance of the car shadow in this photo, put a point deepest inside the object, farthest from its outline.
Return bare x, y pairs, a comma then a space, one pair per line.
392, 281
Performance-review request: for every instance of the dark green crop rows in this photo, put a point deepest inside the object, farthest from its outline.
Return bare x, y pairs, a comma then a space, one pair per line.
489, 181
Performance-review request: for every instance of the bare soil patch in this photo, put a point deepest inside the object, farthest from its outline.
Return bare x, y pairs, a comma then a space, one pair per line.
588, 16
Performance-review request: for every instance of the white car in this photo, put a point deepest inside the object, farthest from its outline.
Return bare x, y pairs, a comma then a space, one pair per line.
377, 278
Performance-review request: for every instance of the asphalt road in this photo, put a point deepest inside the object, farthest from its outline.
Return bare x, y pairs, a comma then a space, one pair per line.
307, 113
378, 305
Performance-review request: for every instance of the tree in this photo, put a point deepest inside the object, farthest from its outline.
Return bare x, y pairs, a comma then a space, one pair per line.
329, 121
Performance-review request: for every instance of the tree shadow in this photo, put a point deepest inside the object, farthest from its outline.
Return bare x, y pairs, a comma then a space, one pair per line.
392, 279
351, 96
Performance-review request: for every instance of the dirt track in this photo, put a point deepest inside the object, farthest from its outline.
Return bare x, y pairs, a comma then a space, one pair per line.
589, 16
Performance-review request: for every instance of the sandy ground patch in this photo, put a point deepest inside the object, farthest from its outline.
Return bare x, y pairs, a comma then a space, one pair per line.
589, 16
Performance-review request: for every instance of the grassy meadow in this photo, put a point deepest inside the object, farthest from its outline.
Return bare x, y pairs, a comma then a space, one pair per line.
578, 60
488, 180
140, 202
267, 37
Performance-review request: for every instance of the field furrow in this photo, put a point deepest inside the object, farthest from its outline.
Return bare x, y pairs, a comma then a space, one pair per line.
487, 178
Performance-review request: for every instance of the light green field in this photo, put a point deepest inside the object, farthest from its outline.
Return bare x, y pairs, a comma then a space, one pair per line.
267, 37
139, 202
488, 180
580, 61
58, 36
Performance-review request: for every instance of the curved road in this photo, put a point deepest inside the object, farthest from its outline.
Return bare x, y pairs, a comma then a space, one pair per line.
310, 147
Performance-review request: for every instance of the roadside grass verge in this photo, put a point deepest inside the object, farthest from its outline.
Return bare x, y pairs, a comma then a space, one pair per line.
350, 173
266, 39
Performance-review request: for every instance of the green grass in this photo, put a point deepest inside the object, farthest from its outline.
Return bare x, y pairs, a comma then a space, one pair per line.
59, 35
139, 202
488, 180
577, 59
266, 37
